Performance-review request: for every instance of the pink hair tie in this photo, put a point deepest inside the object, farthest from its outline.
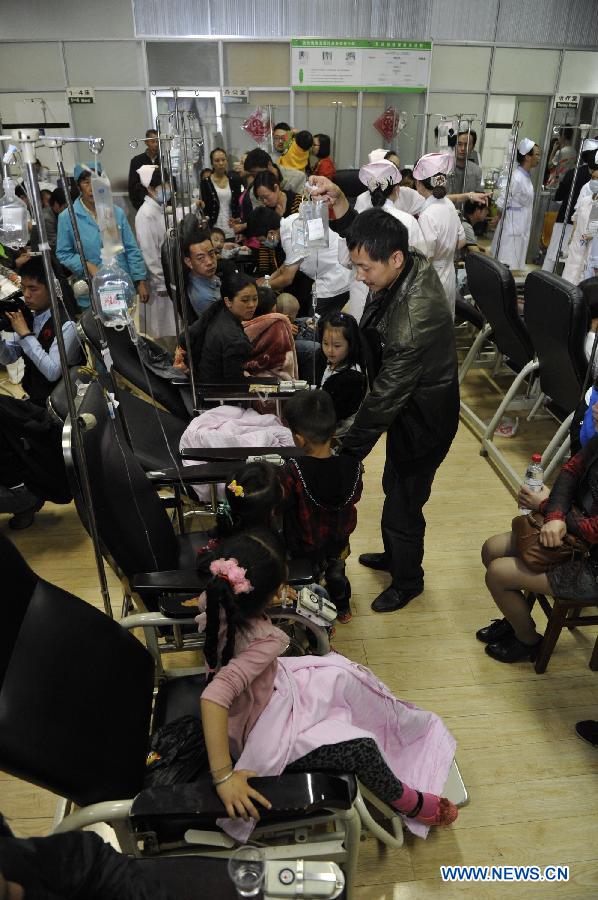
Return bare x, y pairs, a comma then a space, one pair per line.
231, 571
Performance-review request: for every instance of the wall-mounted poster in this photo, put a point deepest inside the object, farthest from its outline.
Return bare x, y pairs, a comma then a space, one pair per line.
353, 65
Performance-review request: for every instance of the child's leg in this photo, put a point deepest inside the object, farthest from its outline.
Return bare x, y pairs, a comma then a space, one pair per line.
338, 586
363, 758
506, 578
497, 546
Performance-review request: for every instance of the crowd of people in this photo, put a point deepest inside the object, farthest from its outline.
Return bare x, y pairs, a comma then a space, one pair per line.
368, 321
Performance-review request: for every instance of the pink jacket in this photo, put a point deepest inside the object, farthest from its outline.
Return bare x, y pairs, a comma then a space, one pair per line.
245, 685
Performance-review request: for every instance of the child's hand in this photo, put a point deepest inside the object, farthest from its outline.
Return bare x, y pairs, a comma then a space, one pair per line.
237, 796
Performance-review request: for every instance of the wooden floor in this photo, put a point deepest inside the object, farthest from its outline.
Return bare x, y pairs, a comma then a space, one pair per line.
533, 784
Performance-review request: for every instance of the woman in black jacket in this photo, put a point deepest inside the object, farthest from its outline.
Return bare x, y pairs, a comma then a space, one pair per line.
220, 193
220, 349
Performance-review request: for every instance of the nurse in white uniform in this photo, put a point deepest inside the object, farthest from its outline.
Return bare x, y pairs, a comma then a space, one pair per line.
439, 220
518, 215
156, 317
382, 178
404, 199
582, 258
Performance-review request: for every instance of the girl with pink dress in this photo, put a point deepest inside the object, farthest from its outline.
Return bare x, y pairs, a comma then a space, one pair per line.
264, 713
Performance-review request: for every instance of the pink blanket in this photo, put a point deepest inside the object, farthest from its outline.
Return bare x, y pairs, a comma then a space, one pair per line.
325, 700
232, 426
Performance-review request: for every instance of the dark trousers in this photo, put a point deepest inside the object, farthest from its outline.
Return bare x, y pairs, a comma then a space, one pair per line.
407, 488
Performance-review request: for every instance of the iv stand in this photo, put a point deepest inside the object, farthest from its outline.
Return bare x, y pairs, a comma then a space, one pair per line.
28, 138
584, 131
514, 133
96, 146
180, 286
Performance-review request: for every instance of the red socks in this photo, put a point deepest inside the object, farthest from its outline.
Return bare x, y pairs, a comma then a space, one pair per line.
426, 808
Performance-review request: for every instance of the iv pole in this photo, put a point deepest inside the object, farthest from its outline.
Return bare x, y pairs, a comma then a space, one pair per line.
514, 135
27, 139
584, 131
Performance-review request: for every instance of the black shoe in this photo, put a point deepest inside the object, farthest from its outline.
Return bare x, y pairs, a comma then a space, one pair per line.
24, 519
496, 631
378, 561
393, 598
511, 650
588, 731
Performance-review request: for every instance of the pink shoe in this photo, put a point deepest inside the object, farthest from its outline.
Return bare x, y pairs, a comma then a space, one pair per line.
446, 813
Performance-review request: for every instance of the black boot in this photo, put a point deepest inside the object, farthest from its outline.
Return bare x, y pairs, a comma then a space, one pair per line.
22, 503
378, 561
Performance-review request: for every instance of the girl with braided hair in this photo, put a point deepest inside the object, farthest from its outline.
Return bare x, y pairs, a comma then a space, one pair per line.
263, 714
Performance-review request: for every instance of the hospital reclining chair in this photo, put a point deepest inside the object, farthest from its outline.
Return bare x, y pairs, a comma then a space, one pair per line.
80, 697
557, 317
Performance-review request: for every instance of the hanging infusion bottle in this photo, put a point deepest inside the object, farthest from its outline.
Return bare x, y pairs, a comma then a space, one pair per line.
114, 293
106, 218
13, 218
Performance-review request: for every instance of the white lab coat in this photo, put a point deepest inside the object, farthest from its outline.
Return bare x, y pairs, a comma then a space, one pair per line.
416, 238
156, 317
582, 257
408, 201
517, 221
358, 290
442, 230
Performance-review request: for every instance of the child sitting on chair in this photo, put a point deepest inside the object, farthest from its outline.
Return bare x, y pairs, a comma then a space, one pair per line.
263, 713
321, 491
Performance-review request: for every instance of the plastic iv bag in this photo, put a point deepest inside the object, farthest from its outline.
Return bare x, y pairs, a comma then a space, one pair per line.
102, 195
503, 175
114, 293
310, 229
13, 218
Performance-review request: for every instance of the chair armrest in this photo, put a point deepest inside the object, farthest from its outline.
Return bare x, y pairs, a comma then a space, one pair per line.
187, 581
300, 571
209, 473
238, 453
169, 581
172, 810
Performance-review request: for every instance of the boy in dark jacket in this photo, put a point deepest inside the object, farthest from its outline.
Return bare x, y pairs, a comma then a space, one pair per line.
321, 493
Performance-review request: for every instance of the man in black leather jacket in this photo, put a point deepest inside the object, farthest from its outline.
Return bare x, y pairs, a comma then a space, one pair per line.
407, 329
77, 865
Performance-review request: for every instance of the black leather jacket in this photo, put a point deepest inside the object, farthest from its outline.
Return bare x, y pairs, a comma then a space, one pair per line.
412, 366
75, 866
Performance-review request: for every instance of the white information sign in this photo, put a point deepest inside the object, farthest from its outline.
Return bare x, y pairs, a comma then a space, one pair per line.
80, 95
354, 65
566, 101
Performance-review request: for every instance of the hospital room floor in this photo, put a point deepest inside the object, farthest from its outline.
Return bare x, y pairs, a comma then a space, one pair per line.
533, 784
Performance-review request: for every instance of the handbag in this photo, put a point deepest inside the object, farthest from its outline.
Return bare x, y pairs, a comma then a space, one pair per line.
177, 754
537, 557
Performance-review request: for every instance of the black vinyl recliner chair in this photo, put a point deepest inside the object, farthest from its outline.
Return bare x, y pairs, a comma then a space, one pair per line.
493, 289
129, 369
76, 715
557, 317
138, 539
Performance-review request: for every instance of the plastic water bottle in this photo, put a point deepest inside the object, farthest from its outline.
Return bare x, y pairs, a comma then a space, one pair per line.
534, 478
266, 281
